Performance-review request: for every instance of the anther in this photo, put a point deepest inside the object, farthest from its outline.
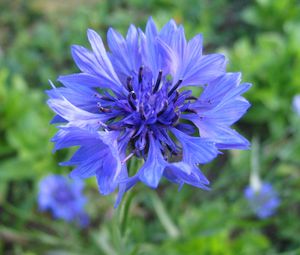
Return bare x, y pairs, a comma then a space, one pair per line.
140, 74
102, 109
131, 96
142, 111
176, 96
157, 84
191, 98
106, 110
190, 110
103, 97
113, 127
175, 87
175, 119
165, 107
129, 83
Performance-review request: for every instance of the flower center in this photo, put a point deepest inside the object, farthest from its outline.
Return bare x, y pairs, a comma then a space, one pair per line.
63, 195
149, 107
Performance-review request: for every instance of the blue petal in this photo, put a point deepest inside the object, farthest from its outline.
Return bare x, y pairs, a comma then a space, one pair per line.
125, 184
196, 150
103, 60
72, 113
107, 174
183, 173
82, 79
149, 47
152, 170
98, 156
61, 106
79, 96
85, 60
151, 30
179, 42
203, 70
194, 50
92, 81
100, 53
57, 119
132, 40
223, 136
167, 60
125, 57
168, 31
227, 113
118, 47
215, 91
73, 136
88, 160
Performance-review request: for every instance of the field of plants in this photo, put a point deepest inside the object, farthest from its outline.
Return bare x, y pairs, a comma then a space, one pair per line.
260, 39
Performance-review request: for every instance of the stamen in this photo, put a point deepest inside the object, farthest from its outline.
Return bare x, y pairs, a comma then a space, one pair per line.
103, 97
190, 110
142, 111
102, 109
131, 96
156, 87
176, 96
175, 120
191, 98
113, 127
106, 110
128, 157
140, 74
165, 107
171, 150
174, 88
129, 83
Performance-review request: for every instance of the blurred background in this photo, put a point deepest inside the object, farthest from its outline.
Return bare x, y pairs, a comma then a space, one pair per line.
261, 39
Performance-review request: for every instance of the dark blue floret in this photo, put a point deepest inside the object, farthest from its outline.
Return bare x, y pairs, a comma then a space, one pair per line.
264, 201
63, 198
134, 101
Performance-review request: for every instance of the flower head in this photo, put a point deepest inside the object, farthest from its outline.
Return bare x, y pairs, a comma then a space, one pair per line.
136, 101
63, 198
263, 201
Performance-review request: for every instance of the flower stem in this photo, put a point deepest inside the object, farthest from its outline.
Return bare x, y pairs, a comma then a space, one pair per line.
124, 211
163, 216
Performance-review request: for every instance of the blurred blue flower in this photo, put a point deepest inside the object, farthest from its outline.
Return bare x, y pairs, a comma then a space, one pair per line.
263, 201
296, 104
136, 101
64, 198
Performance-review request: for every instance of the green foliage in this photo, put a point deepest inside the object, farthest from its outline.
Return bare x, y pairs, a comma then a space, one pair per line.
261, 39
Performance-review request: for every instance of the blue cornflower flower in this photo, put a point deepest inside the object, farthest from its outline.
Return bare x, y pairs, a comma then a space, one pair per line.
136, 101
263, 200
296, 104
64, 198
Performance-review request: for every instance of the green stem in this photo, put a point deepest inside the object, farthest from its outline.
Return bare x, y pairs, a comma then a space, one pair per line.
255, 181
163, 216
121, 216
125, 210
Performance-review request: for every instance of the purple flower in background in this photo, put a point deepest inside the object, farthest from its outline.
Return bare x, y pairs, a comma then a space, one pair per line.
296, 104
264, 201
64, 198
136, 101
